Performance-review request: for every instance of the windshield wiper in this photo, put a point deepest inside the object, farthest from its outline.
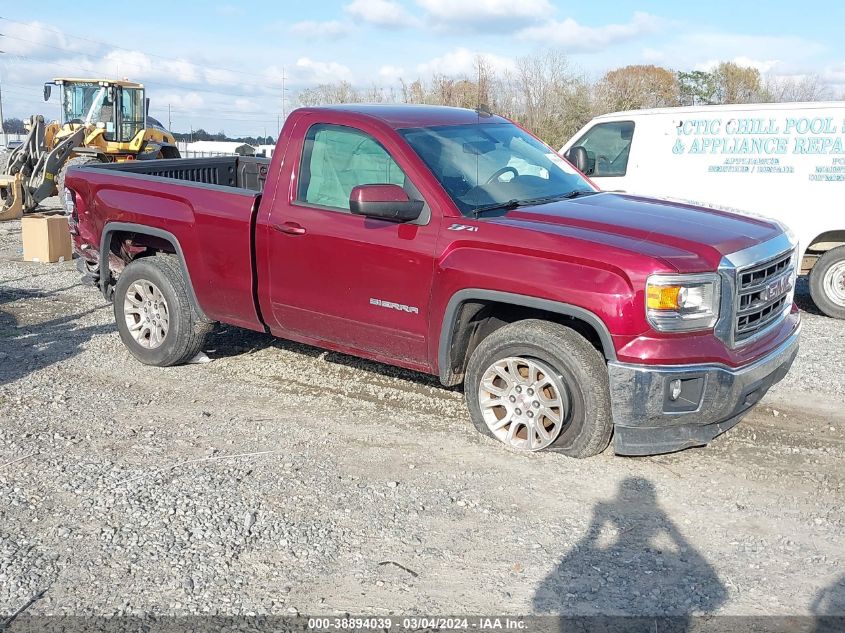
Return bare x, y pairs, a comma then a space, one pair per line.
496, 206
578, 192
514, 203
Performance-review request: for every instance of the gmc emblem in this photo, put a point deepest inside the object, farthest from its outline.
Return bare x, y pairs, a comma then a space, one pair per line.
778, 287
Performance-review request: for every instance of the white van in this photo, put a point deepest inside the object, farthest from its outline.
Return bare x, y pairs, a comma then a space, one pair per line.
785, 161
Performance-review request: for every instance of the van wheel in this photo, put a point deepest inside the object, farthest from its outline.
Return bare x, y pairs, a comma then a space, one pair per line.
155, 316
536, 385
827, 283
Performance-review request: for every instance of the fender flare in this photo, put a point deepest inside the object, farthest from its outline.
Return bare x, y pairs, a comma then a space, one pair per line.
479, 294
141, 229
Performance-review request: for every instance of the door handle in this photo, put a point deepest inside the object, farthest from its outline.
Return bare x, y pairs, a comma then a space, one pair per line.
291, 228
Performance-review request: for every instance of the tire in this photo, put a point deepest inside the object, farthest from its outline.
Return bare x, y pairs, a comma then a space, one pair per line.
580, 426
827, 283
185, 330
76, 161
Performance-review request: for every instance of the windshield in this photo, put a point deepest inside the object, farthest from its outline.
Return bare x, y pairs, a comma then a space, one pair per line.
490, 164
78, 100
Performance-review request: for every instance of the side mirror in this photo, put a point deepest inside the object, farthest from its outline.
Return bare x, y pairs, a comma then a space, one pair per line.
578, 157
48, 90
385, 202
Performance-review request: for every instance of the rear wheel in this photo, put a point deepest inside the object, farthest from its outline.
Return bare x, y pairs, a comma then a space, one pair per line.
536, 385
155, 316
827, 283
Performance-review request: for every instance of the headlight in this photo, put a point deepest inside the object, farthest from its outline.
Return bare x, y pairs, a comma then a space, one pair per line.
680, 303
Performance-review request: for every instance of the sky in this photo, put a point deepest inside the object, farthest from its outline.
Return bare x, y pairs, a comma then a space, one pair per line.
219, 65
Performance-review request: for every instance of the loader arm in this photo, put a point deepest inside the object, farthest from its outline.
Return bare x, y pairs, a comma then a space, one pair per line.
37, 166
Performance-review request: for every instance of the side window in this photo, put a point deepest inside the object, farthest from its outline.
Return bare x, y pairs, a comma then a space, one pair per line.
608, 146
335, 159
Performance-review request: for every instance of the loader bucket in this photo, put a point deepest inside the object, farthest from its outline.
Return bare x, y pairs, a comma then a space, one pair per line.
11, 196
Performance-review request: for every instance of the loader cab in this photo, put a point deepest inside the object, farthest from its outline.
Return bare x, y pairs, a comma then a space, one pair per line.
116, 107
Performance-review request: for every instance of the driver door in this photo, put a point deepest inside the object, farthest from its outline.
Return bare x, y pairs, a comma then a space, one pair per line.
346, 281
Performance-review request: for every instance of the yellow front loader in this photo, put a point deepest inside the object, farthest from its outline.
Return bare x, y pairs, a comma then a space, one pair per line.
102, 121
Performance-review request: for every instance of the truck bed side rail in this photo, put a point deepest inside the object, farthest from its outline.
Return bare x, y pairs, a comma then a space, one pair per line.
241, 172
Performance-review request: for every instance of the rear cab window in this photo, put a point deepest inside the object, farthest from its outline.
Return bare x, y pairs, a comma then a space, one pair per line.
608, 147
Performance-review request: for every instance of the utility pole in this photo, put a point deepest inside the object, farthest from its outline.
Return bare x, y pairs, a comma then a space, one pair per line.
284, 114
3, 125
169, 124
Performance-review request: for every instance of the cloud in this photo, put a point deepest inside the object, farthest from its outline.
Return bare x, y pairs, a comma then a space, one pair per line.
704, 49
386, 13
330, 29
37, 38
246, 105
181, 100
764, 66
390, 73
652, 55
461, 61
322, 72
488, 15
572, 37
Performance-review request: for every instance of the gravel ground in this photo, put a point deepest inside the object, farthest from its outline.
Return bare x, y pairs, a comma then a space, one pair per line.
283, 479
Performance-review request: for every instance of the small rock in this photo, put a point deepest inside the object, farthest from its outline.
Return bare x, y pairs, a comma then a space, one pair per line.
249, 521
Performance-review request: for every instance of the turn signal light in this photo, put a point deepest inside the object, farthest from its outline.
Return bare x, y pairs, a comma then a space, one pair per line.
663, 297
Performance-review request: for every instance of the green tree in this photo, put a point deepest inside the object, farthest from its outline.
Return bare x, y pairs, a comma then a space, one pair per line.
14, 126
696, 87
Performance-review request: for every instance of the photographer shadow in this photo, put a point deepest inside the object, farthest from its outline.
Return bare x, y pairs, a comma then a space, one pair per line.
633, 561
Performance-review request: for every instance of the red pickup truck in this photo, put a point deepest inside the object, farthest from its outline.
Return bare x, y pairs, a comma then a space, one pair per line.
453, 242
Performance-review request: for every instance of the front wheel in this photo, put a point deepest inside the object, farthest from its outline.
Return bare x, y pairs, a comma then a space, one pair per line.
536, 385
155, 316
827, 283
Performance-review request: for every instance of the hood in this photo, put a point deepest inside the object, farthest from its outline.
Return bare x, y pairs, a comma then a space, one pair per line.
689, 238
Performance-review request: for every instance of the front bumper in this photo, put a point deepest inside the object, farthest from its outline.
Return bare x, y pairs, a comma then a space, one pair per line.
712, 399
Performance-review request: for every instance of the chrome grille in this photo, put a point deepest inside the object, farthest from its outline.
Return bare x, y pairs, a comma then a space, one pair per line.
762, 294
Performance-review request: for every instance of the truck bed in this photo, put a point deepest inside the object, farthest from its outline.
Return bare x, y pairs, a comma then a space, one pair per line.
206, 207
238, 172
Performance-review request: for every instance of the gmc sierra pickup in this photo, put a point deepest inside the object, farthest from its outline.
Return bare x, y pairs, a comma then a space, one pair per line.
453, 242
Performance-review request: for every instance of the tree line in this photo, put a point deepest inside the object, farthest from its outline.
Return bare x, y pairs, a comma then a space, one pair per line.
15, 125
550, 97
547, 95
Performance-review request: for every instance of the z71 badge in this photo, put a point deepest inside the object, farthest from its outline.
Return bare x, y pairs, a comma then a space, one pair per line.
463, 227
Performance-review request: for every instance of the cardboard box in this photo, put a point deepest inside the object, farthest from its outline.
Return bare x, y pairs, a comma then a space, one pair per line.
46, 238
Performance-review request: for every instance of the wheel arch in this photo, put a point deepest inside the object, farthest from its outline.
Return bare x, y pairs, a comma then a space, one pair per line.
473, 313
114, 229
819, 245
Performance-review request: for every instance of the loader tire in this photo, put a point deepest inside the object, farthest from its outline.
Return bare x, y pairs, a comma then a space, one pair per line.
77, 161
156, 317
